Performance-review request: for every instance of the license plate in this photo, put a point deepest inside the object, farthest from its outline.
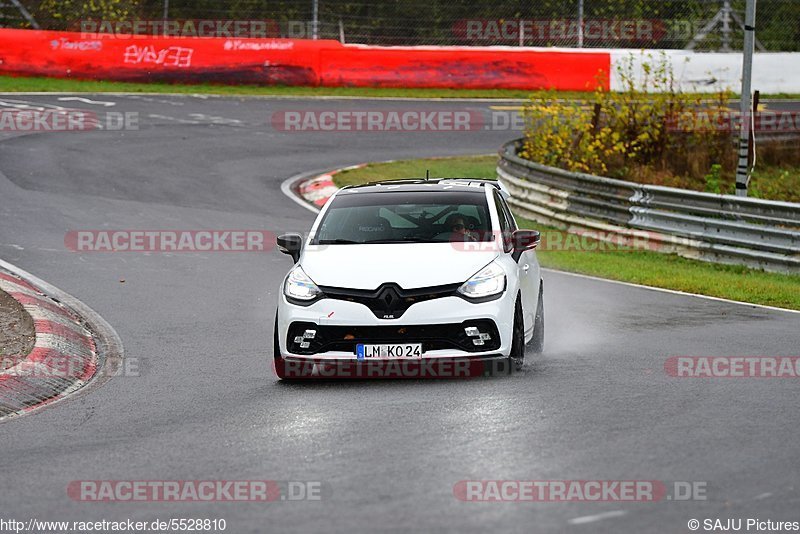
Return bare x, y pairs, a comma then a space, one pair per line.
394, 351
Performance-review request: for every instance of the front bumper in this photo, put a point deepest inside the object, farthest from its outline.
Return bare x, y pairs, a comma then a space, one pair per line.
311, 339
438, 324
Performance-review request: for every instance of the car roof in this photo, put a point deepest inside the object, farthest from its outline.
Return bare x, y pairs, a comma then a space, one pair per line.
421, 184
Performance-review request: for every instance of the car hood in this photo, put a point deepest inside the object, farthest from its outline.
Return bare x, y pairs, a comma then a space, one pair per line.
410, 265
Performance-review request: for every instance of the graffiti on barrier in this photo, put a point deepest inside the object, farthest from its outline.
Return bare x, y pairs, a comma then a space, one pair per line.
173, 56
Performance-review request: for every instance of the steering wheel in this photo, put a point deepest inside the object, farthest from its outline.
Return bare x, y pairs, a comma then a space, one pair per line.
449, 236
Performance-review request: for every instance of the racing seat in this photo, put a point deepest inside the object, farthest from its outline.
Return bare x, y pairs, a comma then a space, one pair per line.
373, 228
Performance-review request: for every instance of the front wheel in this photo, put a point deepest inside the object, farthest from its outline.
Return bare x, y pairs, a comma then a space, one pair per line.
517, 356
537, 341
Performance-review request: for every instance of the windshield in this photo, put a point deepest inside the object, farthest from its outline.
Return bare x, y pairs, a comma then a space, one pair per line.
405, 217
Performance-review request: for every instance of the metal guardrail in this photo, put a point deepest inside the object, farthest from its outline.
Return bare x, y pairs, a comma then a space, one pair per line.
721, 228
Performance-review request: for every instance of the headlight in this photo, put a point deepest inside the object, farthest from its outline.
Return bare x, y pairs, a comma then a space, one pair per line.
299, 286
489, 281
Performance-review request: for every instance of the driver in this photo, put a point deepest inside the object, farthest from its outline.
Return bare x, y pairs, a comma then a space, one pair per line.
458, 227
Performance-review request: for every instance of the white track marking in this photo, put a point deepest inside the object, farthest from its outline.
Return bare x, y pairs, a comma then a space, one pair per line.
40, 106
145, 97
87, 101
168, 118
674, 291
27, 104
597, 517
10, 287
214, 119
286, 188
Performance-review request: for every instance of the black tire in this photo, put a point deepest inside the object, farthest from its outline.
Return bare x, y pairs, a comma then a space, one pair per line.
280, 363
517, 356
536, 343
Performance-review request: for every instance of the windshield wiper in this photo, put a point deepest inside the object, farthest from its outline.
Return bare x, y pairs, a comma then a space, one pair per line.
374, 241
400, 240
339, 242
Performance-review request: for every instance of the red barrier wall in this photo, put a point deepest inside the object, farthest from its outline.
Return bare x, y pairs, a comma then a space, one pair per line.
462, 67
293, 62
67, 54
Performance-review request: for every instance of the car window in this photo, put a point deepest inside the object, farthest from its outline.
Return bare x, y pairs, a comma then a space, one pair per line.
512, 223
395, 220
507, 223
500, 214
421, 217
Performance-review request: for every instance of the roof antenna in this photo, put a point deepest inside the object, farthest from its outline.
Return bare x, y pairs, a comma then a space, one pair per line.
427, 174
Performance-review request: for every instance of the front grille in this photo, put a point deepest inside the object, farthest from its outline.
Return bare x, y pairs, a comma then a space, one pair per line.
433, 337
389, 301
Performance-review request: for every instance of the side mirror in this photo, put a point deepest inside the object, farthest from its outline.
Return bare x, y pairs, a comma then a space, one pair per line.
525, 240
290, 244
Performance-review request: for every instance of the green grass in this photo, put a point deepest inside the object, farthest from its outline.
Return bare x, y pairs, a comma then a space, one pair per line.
782, 183
460, 167
33, 85
649, 268
21, 84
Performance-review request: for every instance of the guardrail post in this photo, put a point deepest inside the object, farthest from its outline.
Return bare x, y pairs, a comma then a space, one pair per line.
743, 170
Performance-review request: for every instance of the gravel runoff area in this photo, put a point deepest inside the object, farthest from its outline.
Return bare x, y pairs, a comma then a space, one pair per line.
17, 334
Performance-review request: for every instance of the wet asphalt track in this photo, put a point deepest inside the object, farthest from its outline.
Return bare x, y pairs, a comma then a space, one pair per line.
596, 405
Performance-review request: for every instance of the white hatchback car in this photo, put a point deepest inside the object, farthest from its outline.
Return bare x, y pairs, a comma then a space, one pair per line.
411, 271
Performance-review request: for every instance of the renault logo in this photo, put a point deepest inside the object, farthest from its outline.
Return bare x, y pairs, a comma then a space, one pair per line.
389, 298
